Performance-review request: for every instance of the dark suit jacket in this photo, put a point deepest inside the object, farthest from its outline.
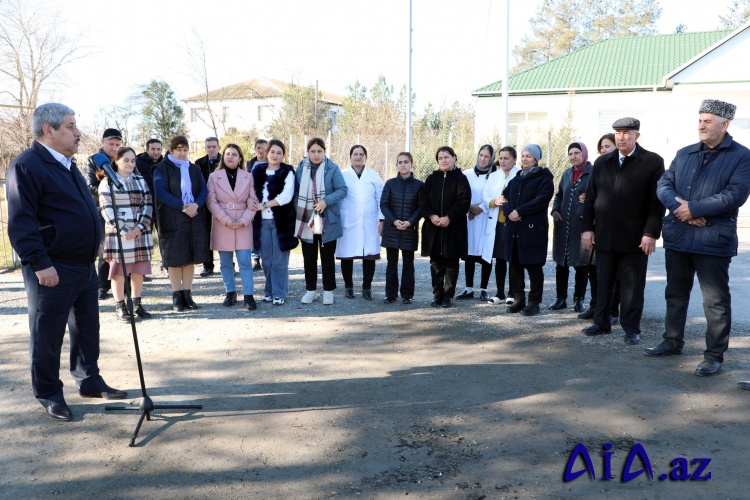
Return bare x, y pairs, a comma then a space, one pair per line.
51, 214
206, 167
621, 203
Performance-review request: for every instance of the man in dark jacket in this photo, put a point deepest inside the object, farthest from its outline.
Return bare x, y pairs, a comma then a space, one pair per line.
703, 190
208, 164
111, 142
145, 161
622, 218
54, 226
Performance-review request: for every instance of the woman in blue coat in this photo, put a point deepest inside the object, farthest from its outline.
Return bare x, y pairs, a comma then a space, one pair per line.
320, 187
527, 197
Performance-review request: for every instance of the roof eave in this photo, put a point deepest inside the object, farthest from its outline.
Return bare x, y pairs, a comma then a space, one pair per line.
583, 90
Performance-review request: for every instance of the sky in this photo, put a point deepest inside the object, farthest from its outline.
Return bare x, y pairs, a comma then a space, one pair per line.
458, 46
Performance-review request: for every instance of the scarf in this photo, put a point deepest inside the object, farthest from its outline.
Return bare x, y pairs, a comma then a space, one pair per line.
534, 169
311, 191
186, 185
491, 167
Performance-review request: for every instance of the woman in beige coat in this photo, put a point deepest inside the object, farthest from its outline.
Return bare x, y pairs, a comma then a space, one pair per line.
230, 197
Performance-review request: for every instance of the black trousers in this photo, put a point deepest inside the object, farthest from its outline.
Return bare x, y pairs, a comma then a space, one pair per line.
632, 274
469, 268
73, 304
562, 274
501, 271
327, 263
713, 278
368, 273
518, 284
444, 273
594, 283
407, 273
209, 264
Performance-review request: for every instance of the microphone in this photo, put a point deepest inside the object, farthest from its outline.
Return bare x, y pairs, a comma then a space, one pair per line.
102, 163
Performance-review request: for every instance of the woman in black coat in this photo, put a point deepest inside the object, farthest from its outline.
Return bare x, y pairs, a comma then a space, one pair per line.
444, 203
180, 193
526, 199
567, 210
399, 205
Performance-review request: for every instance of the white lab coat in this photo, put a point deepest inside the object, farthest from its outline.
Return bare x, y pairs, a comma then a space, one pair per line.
477, 226
492, 189
360, 214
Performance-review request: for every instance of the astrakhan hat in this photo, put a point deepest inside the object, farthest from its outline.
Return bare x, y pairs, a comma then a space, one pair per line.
718, 108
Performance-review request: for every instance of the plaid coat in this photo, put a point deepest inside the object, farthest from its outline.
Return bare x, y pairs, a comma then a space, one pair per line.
134, 207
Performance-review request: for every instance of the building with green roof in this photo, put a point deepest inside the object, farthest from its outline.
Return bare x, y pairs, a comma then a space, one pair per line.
659, 79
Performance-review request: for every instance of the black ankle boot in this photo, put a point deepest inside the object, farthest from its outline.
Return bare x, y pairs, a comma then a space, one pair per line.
122, 311
517, 306
230, 299
189, 302
139, 310
578, 307
250, 303
178, 301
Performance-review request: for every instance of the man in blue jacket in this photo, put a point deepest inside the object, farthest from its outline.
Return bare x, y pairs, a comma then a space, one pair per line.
703, 190
53, 225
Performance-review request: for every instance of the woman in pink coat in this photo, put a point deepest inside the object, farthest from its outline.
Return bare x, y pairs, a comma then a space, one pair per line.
230, 196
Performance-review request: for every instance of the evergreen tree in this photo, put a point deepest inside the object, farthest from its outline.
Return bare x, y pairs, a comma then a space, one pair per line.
562, 26
162, 115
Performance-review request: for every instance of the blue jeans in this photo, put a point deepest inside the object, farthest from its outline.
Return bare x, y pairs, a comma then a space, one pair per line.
246, 270
275, 262
713, 278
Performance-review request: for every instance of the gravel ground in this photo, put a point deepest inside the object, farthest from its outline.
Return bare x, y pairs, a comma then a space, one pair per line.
367, 400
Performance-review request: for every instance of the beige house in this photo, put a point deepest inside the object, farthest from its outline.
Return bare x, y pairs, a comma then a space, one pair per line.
243, 106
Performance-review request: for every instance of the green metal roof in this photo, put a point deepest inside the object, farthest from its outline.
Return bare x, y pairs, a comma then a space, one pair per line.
622, 63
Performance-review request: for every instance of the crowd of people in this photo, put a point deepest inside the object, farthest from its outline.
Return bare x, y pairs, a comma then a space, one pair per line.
606, 219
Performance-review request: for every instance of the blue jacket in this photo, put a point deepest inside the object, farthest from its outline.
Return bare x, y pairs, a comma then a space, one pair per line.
51, 214
715, 192
336, 189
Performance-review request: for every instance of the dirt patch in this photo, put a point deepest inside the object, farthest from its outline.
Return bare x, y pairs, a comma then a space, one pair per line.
367, 400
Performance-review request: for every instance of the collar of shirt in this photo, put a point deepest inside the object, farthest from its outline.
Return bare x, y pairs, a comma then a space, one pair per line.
66, 162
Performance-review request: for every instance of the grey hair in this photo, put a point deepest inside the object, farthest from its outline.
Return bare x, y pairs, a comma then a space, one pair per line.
720, 119
52, 113
212, 139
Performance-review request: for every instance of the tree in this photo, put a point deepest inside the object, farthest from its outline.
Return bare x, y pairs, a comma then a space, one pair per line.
738, 14
33, 48
373, 112
161, 116
562, 26
302, 114
198, 72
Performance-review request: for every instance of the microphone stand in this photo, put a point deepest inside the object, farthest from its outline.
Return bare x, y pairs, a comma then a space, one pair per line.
146, 404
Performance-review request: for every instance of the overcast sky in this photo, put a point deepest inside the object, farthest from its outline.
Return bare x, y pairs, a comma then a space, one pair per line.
458, 46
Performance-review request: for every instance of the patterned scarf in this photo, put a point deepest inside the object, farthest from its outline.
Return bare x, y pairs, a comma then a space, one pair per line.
535, 168
311, 191
186, 185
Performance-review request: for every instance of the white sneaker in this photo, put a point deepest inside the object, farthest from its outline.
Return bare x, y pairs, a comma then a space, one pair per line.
279, 301
309, 296
267, 298
495, 300
327, 298
510, 301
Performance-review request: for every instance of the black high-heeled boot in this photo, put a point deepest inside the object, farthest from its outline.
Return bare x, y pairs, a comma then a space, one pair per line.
189, 302
178, 301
